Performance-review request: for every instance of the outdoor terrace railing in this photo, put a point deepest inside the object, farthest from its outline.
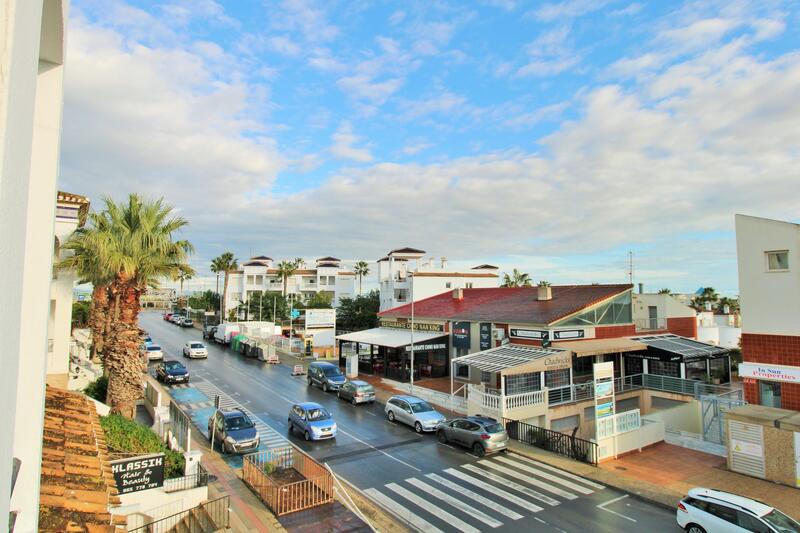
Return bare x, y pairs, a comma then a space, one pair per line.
525, 399
192, 481
205, 518
650, 324
547, 439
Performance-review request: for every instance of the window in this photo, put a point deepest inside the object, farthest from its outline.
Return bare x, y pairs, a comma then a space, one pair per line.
615, 311
486, 377
469, 285
462, 370
556, 378
259, 280
770, 393
751, 523
249, 280
723, 512
447, 285
664, 368
777, 260
519, 383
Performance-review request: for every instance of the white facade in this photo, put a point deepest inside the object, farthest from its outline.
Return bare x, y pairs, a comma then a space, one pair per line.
651, 311
722, 330
31, 98
431, 277
259, 274
769, 297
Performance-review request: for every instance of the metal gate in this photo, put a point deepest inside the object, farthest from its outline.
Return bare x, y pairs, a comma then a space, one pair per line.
746, 448
712, 409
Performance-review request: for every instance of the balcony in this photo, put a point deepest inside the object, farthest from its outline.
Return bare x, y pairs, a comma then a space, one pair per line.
650, 324
515, 406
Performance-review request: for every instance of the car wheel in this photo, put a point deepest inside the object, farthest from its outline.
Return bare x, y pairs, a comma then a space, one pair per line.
694, 528
309, 382
391, 416
478, 450
291, 428
442, 436
418, 427
307, 435
324, 387
353, 401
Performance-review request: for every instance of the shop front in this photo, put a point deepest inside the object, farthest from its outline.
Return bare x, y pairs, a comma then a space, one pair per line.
680, 357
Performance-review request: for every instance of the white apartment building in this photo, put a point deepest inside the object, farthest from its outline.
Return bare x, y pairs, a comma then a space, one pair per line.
31, 99
71, 211
260, 274
397, 269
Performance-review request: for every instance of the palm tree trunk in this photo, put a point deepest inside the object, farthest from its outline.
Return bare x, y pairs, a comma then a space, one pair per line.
285, 285
222, 300
98, 316
123, 360
359, 284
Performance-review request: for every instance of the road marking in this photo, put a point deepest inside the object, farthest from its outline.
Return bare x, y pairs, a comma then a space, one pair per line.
603, 507
525, 504
463, 507
435, 510
370, 413
512, 485
397, 509
545, 475
448, 445
530, 480
475, 496
560, 472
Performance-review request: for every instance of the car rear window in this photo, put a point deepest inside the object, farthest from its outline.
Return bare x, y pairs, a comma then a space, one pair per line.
494, 428
154, 348
196, 345
365, 388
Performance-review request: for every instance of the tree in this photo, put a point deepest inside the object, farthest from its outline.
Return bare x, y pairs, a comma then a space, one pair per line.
286, 269
361, 269
186, 273
80, 314
268, 301
516, 279
731, 303
318, 300
138, 246
361, 312
707, 295
664, 291
217, 267
226, 263
208, 301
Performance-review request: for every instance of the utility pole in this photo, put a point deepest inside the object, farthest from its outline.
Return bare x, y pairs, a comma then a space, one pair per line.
412, 334
259, 305
630, 266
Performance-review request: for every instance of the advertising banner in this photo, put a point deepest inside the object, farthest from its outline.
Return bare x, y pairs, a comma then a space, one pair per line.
461, 337
790, 374
485, 335
138, 473
519, 333
417, 326
603, 390
320, 318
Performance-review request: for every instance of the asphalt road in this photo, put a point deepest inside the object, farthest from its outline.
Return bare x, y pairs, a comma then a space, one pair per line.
432, 486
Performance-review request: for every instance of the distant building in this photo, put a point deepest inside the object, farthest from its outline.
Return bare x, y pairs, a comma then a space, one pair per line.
259, 274
398, 267
662, 313
768, 253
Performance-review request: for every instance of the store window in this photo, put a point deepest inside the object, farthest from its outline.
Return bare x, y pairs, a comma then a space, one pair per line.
582, 369
664, 368
696, 370
556, 378
462, 370
519, 383
777, 260
720, 370
770, 393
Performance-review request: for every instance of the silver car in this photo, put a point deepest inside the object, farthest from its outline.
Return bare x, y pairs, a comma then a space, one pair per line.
413, 411
357, 392
194, 349
480, 434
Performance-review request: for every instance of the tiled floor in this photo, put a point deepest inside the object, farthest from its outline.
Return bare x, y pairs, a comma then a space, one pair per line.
664, 464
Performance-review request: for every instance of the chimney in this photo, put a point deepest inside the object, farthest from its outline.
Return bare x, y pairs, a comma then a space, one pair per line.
458, 293
444, 262
545, 292
641, 288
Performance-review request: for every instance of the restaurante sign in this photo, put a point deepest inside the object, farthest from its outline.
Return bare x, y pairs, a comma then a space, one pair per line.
138, 473
407, 325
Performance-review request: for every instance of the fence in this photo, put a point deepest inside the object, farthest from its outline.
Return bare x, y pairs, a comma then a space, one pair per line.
180, 426
206, 517
262, 472
192, 481
560, 443
618, 424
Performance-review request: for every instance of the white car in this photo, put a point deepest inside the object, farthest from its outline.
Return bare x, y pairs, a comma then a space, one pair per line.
714, 511
177, 319
195, 349
154, 352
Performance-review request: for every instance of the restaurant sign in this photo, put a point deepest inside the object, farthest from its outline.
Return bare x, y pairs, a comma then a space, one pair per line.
485, 335
437, 328
138, 473
527, 333
426, 347
789, 374
461, 335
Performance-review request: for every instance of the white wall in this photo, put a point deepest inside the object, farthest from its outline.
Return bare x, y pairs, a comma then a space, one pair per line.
770, 301
668, 306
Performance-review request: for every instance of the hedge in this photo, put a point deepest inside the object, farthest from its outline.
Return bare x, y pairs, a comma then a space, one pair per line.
127, 436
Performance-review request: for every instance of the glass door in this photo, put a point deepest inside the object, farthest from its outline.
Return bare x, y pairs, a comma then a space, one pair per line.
770, 393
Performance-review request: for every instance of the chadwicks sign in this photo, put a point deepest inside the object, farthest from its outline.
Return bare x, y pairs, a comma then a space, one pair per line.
138, 473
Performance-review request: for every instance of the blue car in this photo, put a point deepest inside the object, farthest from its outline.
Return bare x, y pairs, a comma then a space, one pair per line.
312, 420
172, 372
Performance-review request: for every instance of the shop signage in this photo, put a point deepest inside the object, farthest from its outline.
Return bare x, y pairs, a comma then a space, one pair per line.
485, 335
559, 361
568, 334
789, 374
526, 333
138, 473
747, 448
417, 326
604, 398
654, 357
320, 318
421, 347
461, 337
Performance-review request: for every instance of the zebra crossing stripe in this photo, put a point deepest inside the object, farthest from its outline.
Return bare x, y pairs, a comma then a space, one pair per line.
516, 500
486, 502
435, 510
545, 475
464, 507
511, 484
560, 472
530, 480
402, 512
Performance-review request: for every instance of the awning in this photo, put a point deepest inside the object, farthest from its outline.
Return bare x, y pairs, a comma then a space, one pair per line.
601, 346
512, 356
674, 347
391, 338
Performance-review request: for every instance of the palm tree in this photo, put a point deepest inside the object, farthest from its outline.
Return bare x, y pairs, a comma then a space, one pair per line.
286, 269
299, 262
186, 273
225, 263
731, 303
516, 279
361, 269
709, 294
135, 242
664, 291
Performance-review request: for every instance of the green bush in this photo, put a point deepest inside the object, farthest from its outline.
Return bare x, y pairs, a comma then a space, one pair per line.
97, 389
127, 436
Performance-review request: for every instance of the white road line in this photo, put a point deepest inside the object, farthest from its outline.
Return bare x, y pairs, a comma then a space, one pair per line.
560, 472
525, 504
603, 507
461, 506
435, 510
530, 480
486, 502
370, 413
512, 485
397, 509
545, 475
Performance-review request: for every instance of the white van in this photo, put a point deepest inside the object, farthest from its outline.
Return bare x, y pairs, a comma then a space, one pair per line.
225, 332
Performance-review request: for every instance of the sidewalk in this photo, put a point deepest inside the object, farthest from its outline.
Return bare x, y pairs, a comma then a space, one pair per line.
663, 473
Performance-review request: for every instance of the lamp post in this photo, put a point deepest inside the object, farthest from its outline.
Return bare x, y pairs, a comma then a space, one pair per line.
412, 334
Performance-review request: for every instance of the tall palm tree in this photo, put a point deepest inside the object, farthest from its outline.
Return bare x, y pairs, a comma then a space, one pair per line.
226, 264
185, 274
136, 244
664, 291
516, 279
286, 269
361, 269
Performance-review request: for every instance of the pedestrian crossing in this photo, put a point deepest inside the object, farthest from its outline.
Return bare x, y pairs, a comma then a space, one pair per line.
482, 495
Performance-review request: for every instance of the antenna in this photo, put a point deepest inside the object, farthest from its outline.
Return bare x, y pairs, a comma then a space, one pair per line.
630, 266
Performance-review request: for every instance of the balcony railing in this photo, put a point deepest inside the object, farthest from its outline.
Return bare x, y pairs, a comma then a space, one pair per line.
192, 481
650, 324
493, 401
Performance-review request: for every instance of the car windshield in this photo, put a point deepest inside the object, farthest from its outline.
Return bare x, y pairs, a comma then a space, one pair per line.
196, 345
365, 388
173, 365
238, 422
494, 428
317, 414
154, 348
332, 371
421, 407
781, 522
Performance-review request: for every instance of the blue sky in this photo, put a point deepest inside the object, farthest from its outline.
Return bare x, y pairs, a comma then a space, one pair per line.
553, 137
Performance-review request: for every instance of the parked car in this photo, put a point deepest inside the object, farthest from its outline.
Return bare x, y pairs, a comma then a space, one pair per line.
194, 349
172, 372
326, 375
480, 434
177, 319
234, 430
711, 511
208, 332
413, 411
312, 420
167, 316
186, 322
225, 332
153, 352
357, 392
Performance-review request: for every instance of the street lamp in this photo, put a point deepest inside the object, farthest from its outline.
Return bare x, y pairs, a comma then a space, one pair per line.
412, 334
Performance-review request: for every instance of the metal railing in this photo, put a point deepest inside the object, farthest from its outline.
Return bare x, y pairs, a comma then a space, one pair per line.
576, 448
650, 324
192, 481
205, 518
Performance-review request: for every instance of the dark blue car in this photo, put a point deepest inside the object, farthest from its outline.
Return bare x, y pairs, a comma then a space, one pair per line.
172, 372
233, 431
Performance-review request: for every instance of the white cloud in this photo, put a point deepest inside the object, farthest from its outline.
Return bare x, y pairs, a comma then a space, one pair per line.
567, 9
416, 147
344, 145
364, 87
550, 53
444, 103
283, 45
397, 17
630, 9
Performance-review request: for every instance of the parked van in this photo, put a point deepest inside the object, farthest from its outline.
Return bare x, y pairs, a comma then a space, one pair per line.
225, 332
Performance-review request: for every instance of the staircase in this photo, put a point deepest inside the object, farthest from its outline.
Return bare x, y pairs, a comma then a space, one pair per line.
197, 520
208, 517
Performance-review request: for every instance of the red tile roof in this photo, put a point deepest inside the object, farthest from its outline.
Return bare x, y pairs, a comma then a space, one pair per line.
517, 305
